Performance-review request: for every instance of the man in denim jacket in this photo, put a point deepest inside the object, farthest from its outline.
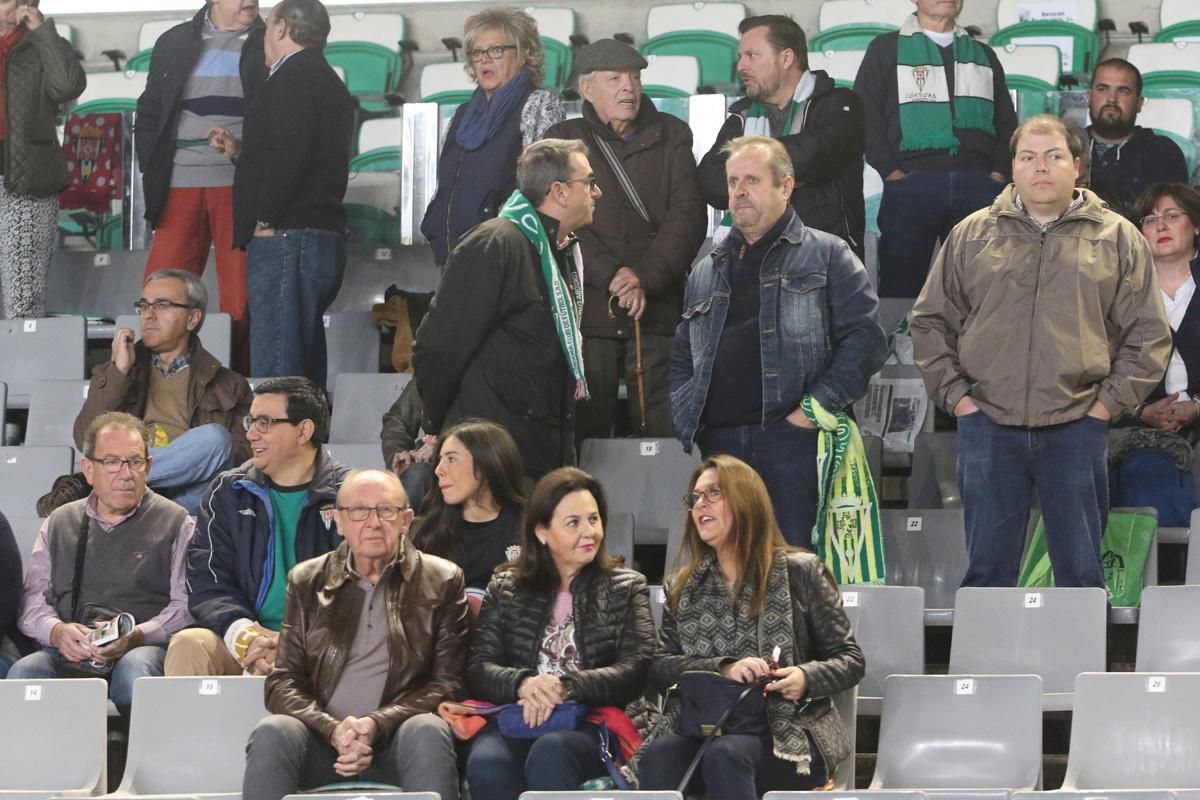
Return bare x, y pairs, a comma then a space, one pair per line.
776, 312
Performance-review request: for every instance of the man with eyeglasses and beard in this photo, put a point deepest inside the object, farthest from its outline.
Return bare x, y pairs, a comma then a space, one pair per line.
257, 522
1126, 158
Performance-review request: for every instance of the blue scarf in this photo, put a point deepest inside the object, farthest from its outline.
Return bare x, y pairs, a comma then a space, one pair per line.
483, 117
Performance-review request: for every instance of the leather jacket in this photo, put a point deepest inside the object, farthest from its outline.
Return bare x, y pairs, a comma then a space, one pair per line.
614, 637
427, 621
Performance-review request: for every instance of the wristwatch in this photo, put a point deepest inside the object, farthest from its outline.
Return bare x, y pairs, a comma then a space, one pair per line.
263, 226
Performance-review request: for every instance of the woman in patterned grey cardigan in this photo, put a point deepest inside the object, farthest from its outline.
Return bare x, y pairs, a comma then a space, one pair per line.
745, 604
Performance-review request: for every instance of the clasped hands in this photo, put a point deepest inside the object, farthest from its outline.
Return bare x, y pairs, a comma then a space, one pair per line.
352, 740
1169, 413
537, 696
790, 682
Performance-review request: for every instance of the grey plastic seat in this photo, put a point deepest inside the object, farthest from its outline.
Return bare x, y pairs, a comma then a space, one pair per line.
674, 541
873, 445
199, 748
363, 399
934, 482
1135, 730
27, 473
1179, 535
1056, 633
1093, 794
52, 740
357, 456
3, 408
658, 598
644, 477
889, 625
351, 345
847, 794
216, 335
926, 548
53, 407
1168, 634
40, 349
847, 705
25, 529
366, 794
967, 733
618, 536
601, 795
1193, 563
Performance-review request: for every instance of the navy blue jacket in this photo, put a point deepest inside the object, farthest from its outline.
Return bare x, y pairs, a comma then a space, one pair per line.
231, 557
1125, 171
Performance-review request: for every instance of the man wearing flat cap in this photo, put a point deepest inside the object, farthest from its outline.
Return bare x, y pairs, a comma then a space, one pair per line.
647, 228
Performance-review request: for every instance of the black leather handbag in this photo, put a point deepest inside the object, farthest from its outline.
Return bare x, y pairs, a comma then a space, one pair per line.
711, 704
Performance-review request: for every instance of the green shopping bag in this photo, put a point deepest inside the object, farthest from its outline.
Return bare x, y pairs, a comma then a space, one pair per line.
1123, 553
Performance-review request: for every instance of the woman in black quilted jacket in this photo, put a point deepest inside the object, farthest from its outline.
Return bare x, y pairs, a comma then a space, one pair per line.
564, 622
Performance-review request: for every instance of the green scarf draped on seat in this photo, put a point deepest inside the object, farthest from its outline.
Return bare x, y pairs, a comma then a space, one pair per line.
925, 114
847, 535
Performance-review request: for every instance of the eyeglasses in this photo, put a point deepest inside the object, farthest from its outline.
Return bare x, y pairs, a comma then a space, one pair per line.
589, 180
1170, 215
361, 513
264, 423
159, 306
493, 53
712, 494
112, 465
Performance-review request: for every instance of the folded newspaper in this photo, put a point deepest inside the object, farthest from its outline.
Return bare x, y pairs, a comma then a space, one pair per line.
895, 406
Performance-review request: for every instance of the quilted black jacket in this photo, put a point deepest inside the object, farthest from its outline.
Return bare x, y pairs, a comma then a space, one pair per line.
41, 74
614, 635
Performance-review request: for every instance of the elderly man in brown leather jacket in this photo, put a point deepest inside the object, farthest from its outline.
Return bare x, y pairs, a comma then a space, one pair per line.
374, 636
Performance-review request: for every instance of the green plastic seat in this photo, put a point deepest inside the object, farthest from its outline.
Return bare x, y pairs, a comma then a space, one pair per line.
674, 105
1178, 19
659, 92
850, 37
139, 61
106, 105
371, 225
453, 97
1154, 82
559, 61
716, 52
371, 70
108, 235
381, 159
1084, 43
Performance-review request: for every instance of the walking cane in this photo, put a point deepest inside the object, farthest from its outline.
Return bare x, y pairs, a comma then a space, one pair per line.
641, 376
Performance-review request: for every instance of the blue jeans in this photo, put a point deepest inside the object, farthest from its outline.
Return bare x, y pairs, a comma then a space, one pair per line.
140, 662
417, 480
500, 768
292, 278
786, 458
916, 211
182, 469
1000, 465
5, 664
734, 767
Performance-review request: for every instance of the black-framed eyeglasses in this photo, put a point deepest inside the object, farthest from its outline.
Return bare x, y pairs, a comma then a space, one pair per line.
590, 180
112, 465
712, 494
385, 513
263, 424
1171, 215
494, 53
159, 306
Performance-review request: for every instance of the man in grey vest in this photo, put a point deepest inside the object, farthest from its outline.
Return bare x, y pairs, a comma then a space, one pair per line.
119, 550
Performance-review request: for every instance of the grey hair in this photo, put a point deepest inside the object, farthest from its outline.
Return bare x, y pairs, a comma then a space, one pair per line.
543, 163
118, 421
197, 292
778, 159
517, 24
307, 22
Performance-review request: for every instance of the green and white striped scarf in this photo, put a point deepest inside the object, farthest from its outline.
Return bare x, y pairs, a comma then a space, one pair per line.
925, 115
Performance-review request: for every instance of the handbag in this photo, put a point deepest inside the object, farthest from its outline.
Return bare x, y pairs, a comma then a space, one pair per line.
566, 716
711, 705
89, 615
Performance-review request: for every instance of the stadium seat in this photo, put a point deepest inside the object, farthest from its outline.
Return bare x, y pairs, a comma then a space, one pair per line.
352, 345
27, 473
446, 84
968, 733
53, 407
39, 349
601, 795
110, 234
707, 31
852, 24
926, 548
365, 793
657, 599
25, 529
355, 456
1192, 575
1178, 19
846, 704
892, 310
379, 145
3, 408
1166, 65
1070, 26
872, 197
619, 536
889, 625
846, 794
675, 529
216, 335
1055, 633
1175, 118
644, 477
1120, 794
53, 740
934, 483
368, 224
110, 92
367, 46
377, 186
1031, 72
67, 31
147, 36
363, 399
556, 26
873, 445
841, 65
670, 76
1168, 636
1135, 730
199, 748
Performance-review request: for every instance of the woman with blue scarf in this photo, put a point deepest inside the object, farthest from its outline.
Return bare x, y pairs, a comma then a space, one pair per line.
477, 169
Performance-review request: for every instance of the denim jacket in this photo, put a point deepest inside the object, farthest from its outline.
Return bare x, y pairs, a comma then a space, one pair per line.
819, 323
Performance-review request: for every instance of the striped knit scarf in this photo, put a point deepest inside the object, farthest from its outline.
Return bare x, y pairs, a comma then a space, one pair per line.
847, 535
926, 122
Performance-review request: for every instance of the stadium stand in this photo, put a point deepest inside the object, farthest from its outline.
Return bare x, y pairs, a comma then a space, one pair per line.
707, 31
889, 625
70, 713
1168, 640
852, 24
1069, 26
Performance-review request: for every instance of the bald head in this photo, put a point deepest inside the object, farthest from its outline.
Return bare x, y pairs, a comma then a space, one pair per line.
387, 480
373, 515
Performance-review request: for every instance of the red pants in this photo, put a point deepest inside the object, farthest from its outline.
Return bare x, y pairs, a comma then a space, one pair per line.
193, 220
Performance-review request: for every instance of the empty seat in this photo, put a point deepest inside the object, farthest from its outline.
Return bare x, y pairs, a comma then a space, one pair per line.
27, 473
352, 345
363, 399
147, 35
379, 145
841, 65
1175, 118
846, 704
618, 536
926, 548
934, 482
961, 732
52, 412
368, 224
367, 46
644, 477
889, 626
108, 92
1070, 26
199, 748
602, 795
556, 26
852, 24
367, 793
658, 598
1055, 633
53, 738
670, 76
357, 456
25, 528
707, 31
1135, 730
1168, 634
1121, 794
1178, 19
873, 445
40, 349
846, 794
1031, 72
446, 84
216, 335
1192, 575
1166, 65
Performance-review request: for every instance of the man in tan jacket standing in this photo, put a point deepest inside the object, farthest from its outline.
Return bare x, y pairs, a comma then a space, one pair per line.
1040, 322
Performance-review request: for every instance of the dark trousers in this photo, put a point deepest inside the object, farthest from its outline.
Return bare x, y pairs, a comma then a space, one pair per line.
998, 468
500, 768
914, 213
606, 362
786, 458
734, 767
